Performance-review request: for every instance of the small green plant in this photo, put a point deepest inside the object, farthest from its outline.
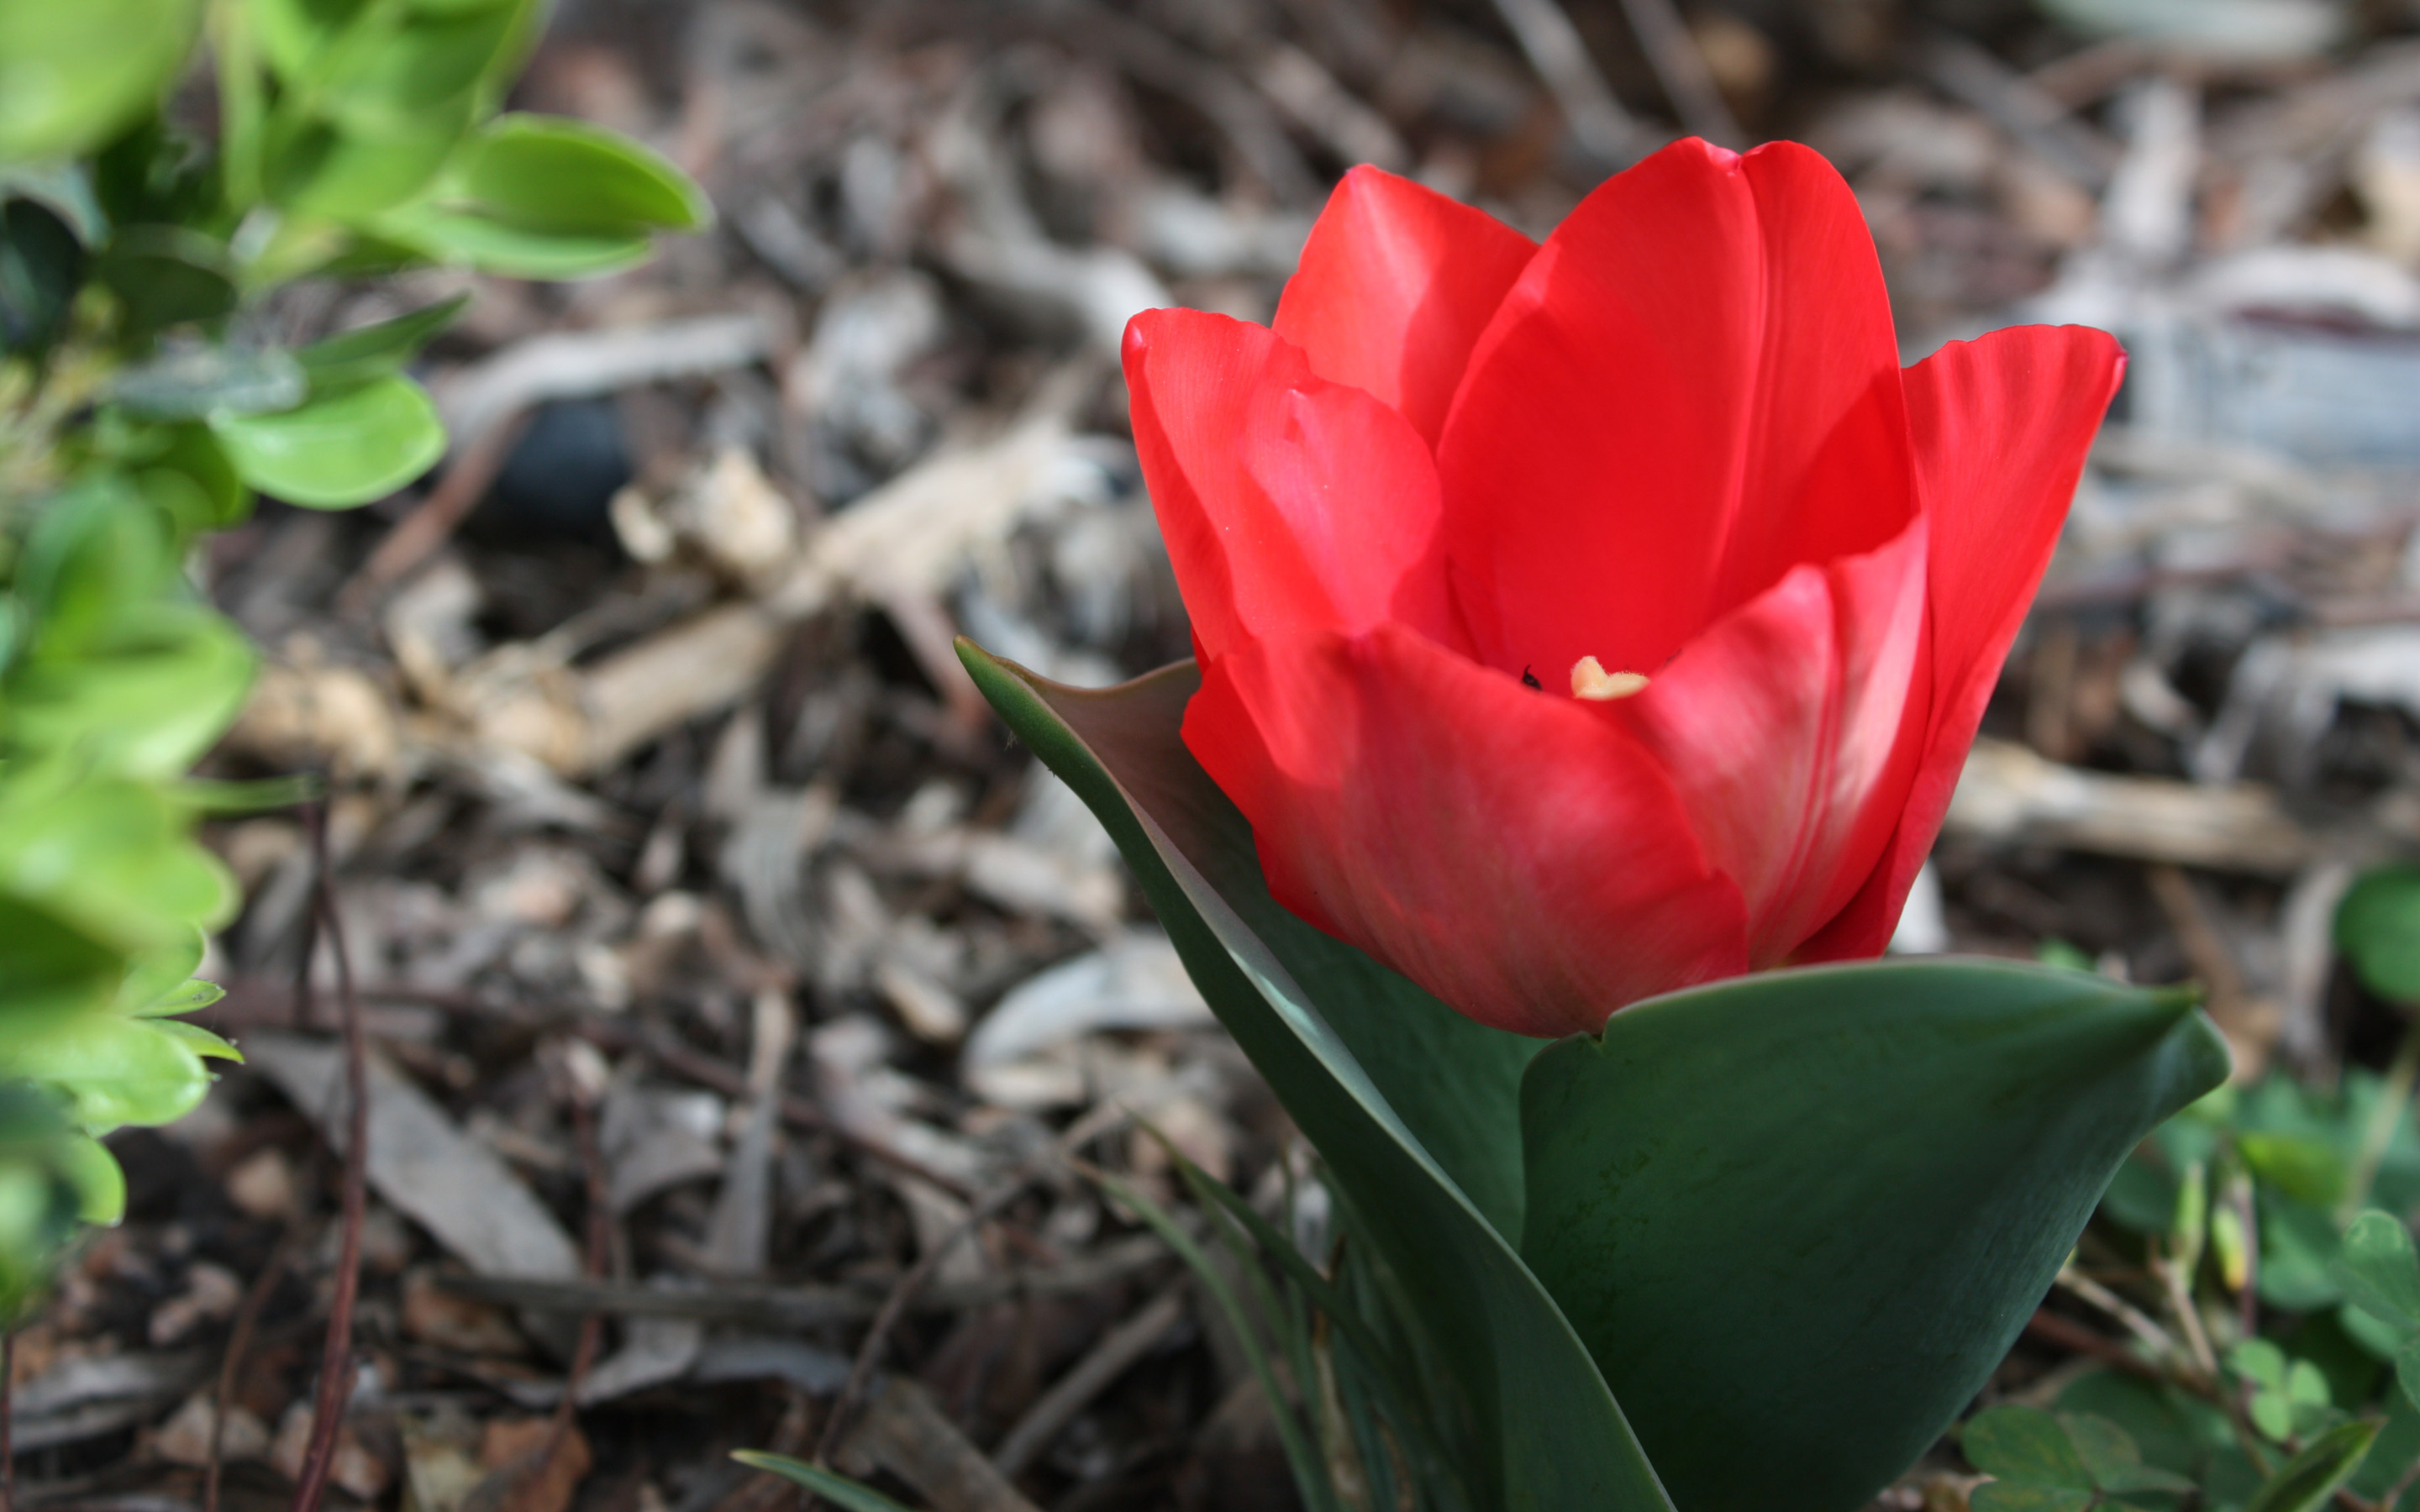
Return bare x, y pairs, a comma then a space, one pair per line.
143, 405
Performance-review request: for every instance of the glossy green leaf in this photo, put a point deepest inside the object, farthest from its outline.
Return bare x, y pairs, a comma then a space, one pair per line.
115, 1069
2307, 1482
534, 196
2380, 1271
366, 352
1799, 1259
838, 1490
72, 74
1538, 1427
146, 698
2378, 928
341, 449
552, 174
112, 859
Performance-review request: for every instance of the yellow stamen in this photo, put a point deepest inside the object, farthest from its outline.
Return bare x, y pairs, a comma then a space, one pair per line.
1591, 681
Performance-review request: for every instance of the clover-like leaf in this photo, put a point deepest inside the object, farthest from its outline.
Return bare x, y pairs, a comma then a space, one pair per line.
2380, 1271
2378, 928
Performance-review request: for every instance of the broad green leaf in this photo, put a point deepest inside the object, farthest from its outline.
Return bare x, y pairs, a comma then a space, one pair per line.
2378, 928
146, 698
341, 449
371, 351
2380, 1271
838, 1490
1800, 1216
50, 969
2307, 1482
94, 1173
2407, 1368
2025, 1443
551, 174
71, 73
1541, 1431
115, 1069
536, 196
111, 857
2305, 1169
194, 382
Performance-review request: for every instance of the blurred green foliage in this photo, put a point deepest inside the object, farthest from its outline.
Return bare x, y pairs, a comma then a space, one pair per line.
142, 407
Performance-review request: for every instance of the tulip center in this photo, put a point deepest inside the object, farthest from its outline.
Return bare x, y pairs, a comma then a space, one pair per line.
1591, 681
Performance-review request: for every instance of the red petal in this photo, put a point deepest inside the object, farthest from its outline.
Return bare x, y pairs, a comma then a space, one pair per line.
1289, 503
1395, 284
1693, 388
1787, 728
2001, 427
1524, 861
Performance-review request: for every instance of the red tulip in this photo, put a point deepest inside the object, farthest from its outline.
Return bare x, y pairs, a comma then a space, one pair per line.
1583, 620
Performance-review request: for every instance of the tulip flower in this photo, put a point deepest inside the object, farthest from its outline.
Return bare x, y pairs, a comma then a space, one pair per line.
1582, 621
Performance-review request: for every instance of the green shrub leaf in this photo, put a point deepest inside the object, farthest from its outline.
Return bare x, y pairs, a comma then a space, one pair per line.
341, 449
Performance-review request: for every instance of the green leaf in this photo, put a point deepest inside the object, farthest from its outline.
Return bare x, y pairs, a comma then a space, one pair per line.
2110, 1454
2407, 1368
192, 382
1538, 1422
2378, 928
166, 275
340, 449
71, 74
2025, 1443
366, 352
50, 969
534, 196
2307, 1482
351, 174
41, 264
2012, 1496
838, 1490
1800, 1216
115, 1069
546, 173
2379, 1271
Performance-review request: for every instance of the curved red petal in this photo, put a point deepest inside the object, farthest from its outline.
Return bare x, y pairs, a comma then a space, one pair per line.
1525, 861
2001, 427
1395, 284
1289, 503
1693, 388
1791, 729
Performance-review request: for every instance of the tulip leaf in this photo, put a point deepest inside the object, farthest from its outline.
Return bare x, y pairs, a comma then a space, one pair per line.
1799, 1260
1540, 1425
